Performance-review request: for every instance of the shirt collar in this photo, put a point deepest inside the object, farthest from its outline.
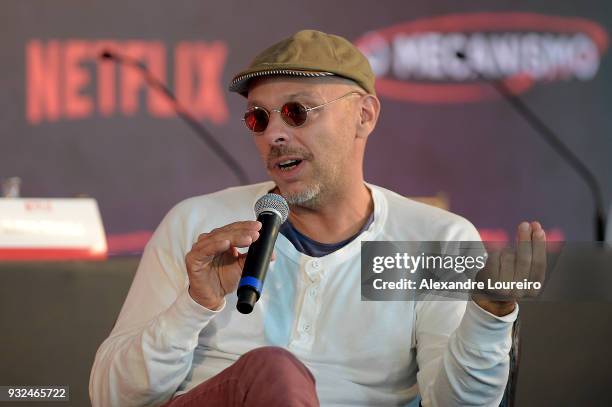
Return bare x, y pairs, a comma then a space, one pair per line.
330, 260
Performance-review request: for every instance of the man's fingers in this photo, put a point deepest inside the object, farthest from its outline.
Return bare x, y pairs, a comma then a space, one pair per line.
506, 261
528, 262
250, 224
247, 225
224, 233
237, 237
507, 270
222, 241
211, 249
218, 246
523, 232
243, 239
538, 244
523, 251
535, 225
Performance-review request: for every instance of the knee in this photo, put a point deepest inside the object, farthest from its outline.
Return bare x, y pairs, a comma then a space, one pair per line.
274, 358
271, 355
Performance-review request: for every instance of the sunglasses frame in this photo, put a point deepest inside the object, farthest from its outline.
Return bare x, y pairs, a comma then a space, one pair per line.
307, 109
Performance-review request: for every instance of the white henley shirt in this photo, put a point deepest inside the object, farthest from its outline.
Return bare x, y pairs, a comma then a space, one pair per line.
361, 352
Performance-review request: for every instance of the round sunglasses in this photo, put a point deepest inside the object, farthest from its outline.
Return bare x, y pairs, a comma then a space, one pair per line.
294, 114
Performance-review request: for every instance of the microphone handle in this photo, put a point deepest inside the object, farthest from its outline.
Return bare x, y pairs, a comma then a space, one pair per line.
257, 262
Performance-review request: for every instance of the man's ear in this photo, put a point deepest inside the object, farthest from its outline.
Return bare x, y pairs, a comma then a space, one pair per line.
368, 115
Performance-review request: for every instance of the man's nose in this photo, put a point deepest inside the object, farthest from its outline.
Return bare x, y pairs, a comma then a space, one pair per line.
277, 132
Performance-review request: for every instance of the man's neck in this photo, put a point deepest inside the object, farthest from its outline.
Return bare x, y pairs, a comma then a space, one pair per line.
337, 220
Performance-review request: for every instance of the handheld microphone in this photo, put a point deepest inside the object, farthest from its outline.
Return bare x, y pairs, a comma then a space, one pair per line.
271, 210
181, 111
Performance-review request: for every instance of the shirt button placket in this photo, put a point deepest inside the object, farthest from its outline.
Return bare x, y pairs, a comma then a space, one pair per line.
310, 306
313, 292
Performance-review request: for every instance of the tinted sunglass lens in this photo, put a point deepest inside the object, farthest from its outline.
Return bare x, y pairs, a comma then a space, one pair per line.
256, 120
294, 114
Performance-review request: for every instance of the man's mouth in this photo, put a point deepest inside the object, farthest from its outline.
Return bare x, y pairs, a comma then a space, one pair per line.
287, 165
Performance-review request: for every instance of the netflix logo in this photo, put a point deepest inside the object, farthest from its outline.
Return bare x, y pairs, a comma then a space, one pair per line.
66, 79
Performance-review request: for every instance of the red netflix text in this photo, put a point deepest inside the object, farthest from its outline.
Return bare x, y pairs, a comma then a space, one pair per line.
66, 79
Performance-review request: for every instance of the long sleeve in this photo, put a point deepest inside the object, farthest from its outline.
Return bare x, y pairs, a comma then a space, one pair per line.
464, 365
462, 350
150, 350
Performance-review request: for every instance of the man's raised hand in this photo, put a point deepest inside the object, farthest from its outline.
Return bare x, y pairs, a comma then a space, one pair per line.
214, 265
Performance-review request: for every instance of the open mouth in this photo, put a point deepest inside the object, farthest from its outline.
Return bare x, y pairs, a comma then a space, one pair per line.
288, 165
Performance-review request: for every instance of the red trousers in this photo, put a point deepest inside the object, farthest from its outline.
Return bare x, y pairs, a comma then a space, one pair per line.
267, 376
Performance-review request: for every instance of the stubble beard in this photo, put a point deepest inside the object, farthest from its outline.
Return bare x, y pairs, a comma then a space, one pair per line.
308, 198
316, 192
323, 185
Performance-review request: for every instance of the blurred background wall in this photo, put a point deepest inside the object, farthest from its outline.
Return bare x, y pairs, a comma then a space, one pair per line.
74, 125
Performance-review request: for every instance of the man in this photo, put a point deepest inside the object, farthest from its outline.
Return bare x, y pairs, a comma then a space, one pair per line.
311, 106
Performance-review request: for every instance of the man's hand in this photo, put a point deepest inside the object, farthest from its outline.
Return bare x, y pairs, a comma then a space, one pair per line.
527, 262
214, 265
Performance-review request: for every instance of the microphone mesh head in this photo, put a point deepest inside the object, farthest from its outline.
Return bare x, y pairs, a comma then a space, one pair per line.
273, 202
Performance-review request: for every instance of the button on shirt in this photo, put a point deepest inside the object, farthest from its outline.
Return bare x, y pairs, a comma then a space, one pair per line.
360, 352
